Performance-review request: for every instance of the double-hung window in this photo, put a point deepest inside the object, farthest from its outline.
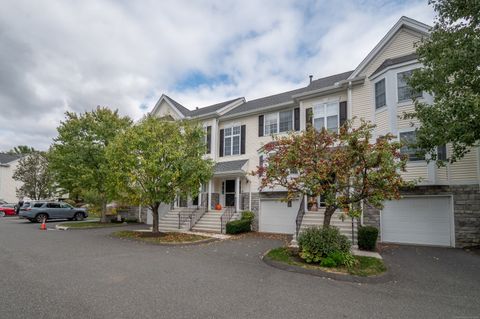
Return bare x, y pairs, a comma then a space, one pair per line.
408, 140
278, 122
271, 125
405, 92
232, 140
326, 116
380, 97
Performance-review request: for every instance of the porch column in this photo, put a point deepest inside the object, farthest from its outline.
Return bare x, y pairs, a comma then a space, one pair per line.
209, 195
199, 203
237, 194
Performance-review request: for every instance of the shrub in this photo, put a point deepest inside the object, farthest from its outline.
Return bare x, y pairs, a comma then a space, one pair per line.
238, 226
248, 215
328, 262
343, 259
316, 243
367, 238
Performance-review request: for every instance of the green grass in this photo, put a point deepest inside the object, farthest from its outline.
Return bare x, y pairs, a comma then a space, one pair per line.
364, 266
92, 224
161, 238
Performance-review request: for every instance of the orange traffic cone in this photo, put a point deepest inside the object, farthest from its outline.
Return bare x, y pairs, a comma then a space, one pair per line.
43, 226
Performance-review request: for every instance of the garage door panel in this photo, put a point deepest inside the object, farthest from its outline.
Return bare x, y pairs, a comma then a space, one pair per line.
277, 217
418, 220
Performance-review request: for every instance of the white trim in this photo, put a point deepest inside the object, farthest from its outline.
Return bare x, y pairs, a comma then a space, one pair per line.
230, 106
167, 100
392, 67
402, 22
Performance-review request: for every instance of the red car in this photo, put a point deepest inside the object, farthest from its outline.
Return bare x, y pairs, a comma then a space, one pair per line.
7, 210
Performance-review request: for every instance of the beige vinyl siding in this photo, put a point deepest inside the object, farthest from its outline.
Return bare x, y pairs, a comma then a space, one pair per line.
405, 123
166, 110
465, 170
442, 175
416, 171
363, 102
381, 120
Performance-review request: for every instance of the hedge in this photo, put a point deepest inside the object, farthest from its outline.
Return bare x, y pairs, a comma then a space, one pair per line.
367, 238
238, 226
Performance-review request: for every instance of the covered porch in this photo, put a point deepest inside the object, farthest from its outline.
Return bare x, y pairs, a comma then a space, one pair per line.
226, 188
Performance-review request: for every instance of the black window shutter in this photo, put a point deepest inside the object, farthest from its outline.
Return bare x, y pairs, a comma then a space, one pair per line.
260, 125
308, 117
442, 152
209, 139
242, 139
343, 112
221, 142
296, 119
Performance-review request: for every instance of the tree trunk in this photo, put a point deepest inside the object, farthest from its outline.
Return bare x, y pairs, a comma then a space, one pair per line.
329, 210
103, 217
155, 217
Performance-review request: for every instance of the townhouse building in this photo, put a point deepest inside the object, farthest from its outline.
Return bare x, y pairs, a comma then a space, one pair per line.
443, 209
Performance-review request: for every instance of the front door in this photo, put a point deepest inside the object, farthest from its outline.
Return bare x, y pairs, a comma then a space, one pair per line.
229, 192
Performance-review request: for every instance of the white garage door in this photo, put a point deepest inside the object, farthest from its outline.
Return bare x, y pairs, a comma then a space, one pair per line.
276, 217
418, 220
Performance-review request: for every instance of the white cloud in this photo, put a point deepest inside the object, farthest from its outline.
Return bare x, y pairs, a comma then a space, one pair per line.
73, 55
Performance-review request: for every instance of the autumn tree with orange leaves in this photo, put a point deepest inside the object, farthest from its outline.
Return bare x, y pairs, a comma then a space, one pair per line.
344, 168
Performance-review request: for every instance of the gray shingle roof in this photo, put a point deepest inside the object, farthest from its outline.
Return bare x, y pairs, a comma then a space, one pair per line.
389, 62
231, 166
327, 81
7, 158
286, 97
202, 110
211, 108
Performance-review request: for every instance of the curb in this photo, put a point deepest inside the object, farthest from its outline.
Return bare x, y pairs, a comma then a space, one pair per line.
191, 243
383, 278
60, 227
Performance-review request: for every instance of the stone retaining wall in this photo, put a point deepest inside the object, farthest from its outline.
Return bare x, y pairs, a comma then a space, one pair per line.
466, 208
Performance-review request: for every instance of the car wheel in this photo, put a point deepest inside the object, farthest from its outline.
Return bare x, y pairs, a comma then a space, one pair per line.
2, 213
41, 217
79, 216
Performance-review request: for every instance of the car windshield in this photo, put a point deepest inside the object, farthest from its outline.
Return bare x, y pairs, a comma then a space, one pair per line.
65, 205
27, 204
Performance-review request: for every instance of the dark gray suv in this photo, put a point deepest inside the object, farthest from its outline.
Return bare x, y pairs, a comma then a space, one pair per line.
37, 211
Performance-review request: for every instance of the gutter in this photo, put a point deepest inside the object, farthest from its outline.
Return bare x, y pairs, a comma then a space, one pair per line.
257, 111
340, 85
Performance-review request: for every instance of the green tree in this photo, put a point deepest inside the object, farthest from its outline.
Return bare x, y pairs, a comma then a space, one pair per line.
78, 158
344, 168
37, 180
157, 159
21, 149
451, 73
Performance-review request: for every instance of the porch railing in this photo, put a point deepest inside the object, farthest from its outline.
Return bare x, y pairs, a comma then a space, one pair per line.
226, 216
199, 212
192, 216
300, 214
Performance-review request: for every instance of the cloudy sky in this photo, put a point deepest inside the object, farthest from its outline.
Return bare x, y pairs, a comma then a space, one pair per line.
74, 55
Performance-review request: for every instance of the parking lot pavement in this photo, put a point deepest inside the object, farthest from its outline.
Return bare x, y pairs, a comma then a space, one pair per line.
88, 274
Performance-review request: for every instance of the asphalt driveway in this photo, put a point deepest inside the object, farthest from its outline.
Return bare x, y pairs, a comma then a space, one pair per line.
87, 274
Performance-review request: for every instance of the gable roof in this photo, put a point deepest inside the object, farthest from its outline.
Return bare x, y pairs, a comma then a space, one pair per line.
403, 22
179, 106
393, 61
8, 158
